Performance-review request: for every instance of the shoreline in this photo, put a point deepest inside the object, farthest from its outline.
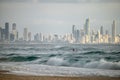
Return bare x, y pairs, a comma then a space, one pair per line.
5, 75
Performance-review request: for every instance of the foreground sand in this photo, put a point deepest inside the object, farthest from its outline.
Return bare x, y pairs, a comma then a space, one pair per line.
4, 76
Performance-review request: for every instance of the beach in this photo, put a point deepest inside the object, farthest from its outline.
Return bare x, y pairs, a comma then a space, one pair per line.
5, 76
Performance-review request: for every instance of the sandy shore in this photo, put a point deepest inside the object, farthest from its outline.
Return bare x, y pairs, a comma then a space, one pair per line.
4, 76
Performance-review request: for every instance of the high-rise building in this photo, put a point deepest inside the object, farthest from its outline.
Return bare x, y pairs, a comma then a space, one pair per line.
0, 33
14, 26
25, 34
29, 36
101, 30
14, 32
73, 30
98, 36
12, 37
6, 31
36, 37
77, 35
17, 35
113, 31
81, 35
41, 37
87, 27
87, 30
106, 32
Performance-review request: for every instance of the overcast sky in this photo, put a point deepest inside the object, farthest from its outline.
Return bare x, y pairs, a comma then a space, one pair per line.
58, 16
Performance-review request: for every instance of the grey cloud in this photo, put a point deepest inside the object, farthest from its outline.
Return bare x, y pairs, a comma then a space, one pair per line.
63, 1
79, 1
11, 1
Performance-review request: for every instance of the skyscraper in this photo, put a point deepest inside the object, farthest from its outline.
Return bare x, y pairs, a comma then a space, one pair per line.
87, 31
86, 27
41, 37
73, 30
98, 36
77, 35
113, 31
14, 32
106, 32
6, 31
29, 36
0, 33
25, 34
101, 30
14, 26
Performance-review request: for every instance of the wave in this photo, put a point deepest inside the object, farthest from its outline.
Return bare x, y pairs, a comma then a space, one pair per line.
35, 69
56, 61
103, 64
92, 52
62, 55
65, 48
95, 52
18, 58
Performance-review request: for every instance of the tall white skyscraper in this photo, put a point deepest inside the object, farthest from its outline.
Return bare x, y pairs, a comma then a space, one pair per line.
87, 30
113, 31
14, 32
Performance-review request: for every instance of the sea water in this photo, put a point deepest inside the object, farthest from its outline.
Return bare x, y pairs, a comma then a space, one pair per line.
61, 59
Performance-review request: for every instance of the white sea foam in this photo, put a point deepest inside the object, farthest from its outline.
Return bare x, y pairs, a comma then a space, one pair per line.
56, 61
58, 46
103, 64
35, 69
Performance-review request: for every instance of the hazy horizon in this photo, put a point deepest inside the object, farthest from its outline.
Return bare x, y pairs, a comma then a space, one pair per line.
58, 16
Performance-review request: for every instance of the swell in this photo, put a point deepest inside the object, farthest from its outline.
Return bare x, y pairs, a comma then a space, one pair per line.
18, 58
100, 64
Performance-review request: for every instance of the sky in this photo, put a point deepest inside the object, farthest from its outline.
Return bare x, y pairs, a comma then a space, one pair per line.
58, 16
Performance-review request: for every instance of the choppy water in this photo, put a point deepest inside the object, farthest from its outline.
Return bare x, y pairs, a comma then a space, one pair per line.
54, 58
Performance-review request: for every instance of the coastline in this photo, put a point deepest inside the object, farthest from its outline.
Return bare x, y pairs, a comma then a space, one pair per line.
5, 75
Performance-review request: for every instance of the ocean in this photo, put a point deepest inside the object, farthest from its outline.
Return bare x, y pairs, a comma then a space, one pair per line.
61, 59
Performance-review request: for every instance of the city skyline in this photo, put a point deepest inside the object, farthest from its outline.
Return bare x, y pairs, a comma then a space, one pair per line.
77, 35
57, 16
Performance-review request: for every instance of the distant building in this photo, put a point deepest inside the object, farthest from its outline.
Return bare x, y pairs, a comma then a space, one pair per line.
101, 30
73, 30
87, 31
106, 32
25, 34
36, 37
113, 31
0, 33
14, 26
12, 37
29, 36
78, 36
41, 37
7, 31
98, 36
82, 34
14, 34
87, 27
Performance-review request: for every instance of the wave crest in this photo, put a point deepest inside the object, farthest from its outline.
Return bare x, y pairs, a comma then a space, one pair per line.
103, 64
